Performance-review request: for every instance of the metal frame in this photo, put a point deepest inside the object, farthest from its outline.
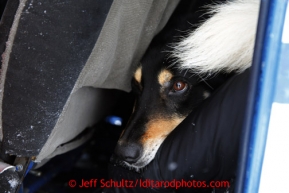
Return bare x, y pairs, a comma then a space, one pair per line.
270, 85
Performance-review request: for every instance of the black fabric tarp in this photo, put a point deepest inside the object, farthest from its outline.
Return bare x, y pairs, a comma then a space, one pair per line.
45, 67
55, 54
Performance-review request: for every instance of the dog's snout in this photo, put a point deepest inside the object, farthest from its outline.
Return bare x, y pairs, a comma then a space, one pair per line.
129, 152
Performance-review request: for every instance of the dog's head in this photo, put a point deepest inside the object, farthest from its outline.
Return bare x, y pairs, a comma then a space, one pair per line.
164, 97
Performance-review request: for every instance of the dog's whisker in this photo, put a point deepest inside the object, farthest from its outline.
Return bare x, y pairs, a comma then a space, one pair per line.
186, 72
206, 82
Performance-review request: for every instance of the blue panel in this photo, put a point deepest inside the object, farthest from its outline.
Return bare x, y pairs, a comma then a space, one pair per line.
273, 76
282, 84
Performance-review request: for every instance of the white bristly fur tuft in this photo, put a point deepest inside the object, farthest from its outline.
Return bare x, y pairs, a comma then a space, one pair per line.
225, 42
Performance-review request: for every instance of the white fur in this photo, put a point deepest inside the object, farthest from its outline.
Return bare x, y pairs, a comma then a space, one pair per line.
225, 42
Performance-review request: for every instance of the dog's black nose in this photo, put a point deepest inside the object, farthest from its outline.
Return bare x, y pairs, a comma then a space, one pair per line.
129, 152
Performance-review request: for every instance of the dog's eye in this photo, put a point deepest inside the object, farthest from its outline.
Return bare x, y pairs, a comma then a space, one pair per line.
179, 86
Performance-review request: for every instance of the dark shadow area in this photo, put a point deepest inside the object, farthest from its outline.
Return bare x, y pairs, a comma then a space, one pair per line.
84, 164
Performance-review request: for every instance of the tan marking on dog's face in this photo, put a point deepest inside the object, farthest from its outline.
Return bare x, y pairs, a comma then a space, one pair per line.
159, 128
138, 74
164, 76
156, 131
